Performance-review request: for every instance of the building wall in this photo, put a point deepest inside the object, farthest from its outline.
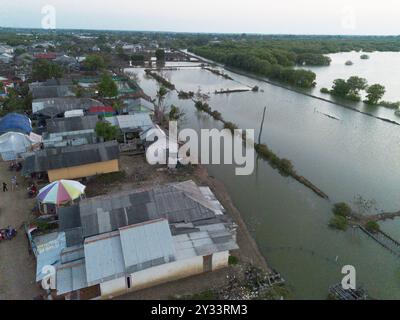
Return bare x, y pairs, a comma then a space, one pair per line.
220, 260
161, 274
113, 288
86, 170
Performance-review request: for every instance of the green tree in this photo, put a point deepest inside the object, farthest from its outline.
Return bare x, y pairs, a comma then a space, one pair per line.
94, 62
160, 55
375, 92
106, 130
107, 87
160, 107
175, 113
340, 88
43, 70
356, 84
341, 209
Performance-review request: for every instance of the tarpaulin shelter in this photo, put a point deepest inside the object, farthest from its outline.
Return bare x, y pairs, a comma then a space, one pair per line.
15, 122
14, 143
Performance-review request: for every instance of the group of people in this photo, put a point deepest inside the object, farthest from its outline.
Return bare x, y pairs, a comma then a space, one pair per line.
14, 184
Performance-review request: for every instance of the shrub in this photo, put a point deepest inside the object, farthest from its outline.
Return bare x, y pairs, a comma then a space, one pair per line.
106, 130
338, 222
372, 226
231, 126
341, 209
216, 115
232, 260
390, 105
324, 90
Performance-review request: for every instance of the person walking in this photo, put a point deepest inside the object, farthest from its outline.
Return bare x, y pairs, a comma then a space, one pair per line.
5, 187
14, 183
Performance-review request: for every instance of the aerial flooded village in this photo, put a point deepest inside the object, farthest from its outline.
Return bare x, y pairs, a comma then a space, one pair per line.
83, 213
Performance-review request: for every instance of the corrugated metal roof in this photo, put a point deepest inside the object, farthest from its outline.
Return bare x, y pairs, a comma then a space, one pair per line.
131, 249
71, 124
55, 158
176, 202
71, 277
146, 245
104, 258
41, 92
54, 106
47, 250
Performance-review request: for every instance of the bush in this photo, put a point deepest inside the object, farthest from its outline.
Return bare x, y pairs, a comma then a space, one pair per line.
372, 226
231, 126
341, 209
216, 115
324, 90
338, 222
185, 95
232, 260
390, 105
284, 166
106, 130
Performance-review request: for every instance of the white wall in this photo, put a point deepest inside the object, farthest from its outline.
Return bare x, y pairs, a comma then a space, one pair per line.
112, 288
161, 274
220, 260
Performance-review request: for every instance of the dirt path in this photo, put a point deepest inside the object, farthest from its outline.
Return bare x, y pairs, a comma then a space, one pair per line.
17, 267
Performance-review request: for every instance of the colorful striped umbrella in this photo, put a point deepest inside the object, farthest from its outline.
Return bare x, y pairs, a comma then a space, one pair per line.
61, 191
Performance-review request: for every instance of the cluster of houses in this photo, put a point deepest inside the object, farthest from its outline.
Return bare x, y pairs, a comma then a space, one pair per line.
109, 245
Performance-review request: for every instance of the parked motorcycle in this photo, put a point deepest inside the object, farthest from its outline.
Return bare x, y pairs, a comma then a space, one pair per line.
7, 233
32, 191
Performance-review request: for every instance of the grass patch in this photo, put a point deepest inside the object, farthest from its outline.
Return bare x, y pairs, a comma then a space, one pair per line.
232, 260
205, 295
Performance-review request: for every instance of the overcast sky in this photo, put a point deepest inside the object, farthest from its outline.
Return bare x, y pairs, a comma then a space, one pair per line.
244, 16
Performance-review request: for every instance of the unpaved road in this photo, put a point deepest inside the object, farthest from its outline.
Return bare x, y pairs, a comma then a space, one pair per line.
17, 267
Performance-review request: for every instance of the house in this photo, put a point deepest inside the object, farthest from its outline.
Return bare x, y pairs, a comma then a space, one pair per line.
69, 138
73, 162
6, 49
52, 88
56, 91
100, 110
132, 106
71, 124
52, 107
110, 245
6, 57
15, 122
130, 127
45, 56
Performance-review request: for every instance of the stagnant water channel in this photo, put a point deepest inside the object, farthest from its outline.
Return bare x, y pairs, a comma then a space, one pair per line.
354, 156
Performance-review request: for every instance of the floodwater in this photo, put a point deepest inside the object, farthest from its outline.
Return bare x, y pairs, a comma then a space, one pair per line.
381, 67
347, 158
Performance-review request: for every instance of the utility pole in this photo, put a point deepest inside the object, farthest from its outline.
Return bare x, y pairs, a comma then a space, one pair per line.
262, 124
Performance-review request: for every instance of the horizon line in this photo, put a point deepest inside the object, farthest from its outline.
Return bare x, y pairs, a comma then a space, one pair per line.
199, 32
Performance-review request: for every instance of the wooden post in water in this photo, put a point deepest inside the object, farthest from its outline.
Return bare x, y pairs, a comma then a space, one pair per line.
262, 124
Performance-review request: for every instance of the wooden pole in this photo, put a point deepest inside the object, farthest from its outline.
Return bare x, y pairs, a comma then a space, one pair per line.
262, 124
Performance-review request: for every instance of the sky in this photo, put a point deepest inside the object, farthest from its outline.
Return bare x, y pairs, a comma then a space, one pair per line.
361, 17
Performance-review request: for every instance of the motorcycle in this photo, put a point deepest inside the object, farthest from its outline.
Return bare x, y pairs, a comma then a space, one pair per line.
32, 192
7, 233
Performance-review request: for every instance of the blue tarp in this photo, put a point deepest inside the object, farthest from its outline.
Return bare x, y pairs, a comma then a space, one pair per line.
15, 122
